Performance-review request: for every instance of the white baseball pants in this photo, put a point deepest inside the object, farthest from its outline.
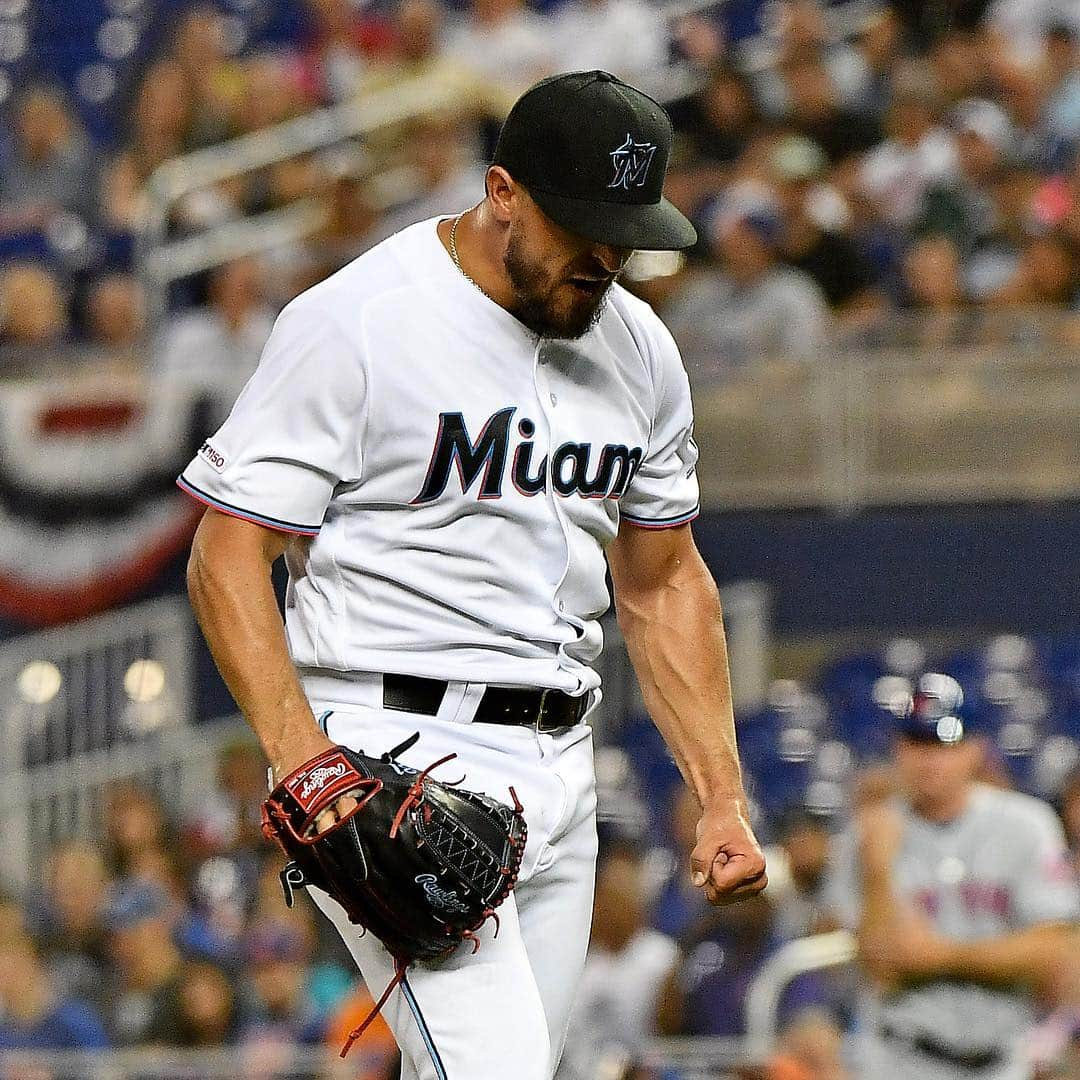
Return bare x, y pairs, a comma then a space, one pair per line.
503, 1011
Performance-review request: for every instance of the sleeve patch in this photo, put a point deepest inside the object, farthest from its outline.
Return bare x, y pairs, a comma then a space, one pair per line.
214, 458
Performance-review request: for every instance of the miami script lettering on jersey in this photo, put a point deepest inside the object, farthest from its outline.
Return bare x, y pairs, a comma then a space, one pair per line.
574, 467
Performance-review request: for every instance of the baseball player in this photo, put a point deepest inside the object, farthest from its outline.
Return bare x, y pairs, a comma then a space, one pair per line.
451, 440
963, 903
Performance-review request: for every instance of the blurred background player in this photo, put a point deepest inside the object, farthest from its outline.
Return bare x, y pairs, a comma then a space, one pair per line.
962, 901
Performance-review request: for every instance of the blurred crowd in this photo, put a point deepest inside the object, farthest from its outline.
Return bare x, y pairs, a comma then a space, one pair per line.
172, 932
846, 163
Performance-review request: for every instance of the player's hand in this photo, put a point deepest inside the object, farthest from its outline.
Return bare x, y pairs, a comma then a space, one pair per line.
727, 861
309, 746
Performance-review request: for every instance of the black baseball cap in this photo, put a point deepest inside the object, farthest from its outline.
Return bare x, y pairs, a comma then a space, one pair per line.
592, 152
935, 713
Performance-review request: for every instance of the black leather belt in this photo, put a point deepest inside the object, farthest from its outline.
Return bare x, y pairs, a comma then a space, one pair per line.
930, 1047
545, 710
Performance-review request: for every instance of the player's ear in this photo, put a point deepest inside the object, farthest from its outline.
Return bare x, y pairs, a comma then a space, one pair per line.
501, 192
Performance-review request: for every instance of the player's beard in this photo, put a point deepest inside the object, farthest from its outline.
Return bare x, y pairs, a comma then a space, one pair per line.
536, 299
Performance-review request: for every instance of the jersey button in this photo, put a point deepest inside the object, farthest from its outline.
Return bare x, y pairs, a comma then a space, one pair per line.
554, 400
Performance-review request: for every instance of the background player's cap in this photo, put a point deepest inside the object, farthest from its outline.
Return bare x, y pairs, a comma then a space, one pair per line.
936, 711
592, 152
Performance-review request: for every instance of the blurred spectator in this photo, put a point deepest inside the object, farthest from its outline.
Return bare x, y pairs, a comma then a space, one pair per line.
69, 926
207, 1006
278, 999
754, 308
615, 1013
212, 79
220, 342
350, 222
811, 1048
448, 175
1063, 83
934, 287
161, 127
800, 907
720, 956
143, 998
802, 36
1046, 274
229, 818
136, 830
881, 46
116, 313
34, 1014
626, 37
976, 208
958, 59
719, 119
51, 165
815, 216
1019, 25
814, 108
33, 308
270, 92
915, 154
419, 54
342, 42
505, 43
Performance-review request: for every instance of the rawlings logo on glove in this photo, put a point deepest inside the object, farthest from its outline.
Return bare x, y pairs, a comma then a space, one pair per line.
319, 777
421, 864
446, 899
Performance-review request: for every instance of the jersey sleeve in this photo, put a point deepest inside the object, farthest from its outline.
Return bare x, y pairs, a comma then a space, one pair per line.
664, 490
295, 431
1045, 888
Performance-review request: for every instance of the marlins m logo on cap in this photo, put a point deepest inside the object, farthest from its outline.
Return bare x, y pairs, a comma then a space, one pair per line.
631, 161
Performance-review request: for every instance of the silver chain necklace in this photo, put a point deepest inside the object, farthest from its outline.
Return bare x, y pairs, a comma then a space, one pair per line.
457, 259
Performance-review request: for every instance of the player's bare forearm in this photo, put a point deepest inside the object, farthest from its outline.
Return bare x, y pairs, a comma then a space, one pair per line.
1036, 957
669, 612
233, 598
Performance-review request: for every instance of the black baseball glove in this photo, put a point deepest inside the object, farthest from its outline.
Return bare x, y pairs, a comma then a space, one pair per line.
419, 863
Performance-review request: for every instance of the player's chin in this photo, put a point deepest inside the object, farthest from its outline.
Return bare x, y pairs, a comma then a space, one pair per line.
579, 312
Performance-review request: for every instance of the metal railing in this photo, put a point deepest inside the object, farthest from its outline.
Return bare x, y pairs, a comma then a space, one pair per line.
44, 806
876, 425
94, 684
160, 261
762, 1006
81, 706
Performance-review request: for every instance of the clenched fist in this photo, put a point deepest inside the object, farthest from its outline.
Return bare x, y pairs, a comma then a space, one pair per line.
727, 861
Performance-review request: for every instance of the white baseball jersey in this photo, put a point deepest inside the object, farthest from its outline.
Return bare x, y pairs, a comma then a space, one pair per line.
1001, 866
458, 476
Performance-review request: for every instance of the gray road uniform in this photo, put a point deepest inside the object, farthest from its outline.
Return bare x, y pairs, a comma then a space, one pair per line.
1000, 867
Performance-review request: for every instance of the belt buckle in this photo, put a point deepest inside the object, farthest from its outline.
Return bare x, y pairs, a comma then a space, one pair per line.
542, 709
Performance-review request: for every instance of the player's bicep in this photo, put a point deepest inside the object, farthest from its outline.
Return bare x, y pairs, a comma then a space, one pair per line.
227, 539
293, 434
642, 559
